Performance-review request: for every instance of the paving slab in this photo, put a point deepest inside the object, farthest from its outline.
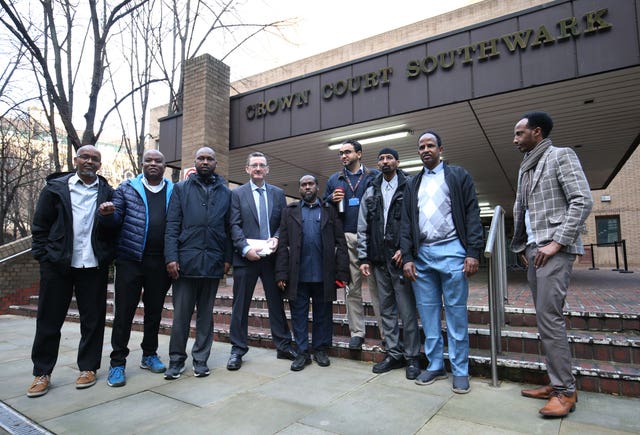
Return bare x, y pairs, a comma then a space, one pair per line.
266, 397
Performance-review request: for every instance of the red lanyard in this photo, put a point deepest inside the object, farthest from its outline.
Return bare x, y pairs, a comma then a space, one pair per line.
353, 189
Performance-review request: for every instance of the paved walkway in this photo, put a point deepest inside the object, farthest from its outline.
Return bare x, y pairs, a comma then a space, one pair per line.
265, 397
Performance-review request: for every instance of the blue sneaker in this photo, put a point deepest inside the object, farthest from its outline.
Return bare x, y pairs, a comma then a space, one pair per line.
116, 377
153, 363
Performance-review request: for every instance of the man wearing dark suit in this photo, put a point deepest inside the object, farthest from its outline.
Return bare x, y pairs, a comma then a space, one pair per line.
255, 216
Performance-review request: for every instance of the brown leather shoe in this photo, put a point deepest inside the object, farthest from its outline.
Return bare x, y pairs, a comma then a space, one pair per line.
39, 386
86, 379
538, 393
560, 405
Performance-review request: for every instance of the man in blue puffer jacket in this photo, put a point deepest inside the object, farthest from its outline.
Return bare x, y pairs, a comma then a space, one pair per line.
139, 209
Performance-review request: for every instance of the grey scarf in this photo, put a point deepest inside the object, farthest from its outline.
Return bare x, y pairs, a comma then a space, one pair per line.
527, 167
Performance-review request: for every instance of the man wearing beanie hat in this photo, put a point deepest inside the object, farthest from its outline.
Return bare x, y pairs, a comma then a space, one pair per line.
379, 254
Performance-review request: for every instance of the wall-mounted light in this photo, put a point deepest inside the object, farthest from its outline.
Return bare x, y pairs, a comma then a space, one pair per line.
605, 198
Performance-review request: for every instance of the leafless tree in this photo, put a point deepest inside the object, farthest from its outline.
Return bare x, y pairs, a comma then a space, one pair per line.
192, 25
50, 42
23, 166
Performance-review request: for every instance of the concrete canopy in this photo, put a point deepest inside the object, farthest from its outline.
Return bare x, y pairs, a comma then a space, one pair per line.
581, 64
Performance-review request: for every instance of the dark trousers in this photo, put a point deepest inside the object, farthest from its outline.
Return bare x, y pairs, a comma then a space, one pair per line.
57, 285
244, 283
190, 293
322, 326
131, 278
397, 301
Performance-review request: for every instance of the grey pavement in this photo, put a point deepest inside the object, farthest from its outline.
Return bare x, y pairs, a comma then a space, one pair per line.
266, 397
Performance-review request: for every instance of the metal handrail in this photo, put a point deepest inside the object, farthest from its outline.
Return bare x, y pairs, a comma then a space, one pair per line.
11, 257
496, 253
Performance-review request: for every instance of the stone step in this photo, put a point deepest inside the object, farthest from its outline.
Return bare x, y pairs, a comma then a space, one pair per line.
602, 377
514, 316
580, 320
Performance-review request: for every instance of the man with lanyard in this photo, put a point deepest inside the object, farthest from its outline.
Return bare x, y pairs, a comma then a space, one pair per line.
345, 189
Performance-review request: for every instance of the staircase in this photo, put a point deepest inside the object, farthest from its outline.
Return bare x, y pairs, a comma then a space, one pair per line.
605, 345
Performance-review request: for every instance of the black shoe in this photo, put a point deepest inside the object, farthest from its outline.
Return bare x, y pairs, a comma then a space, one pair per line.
200, 369
429, 377
388, 364
413, 368
174, 371
289, 354
356, 342
321, 358
235, 362
303, 359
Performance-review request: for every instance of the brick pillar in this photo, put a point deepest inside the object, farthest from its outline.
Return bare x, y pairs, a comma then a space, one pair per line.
205, 115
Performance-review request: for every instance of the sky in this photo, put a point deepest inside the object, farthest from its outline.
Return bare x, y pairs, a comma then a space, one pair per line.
321, 25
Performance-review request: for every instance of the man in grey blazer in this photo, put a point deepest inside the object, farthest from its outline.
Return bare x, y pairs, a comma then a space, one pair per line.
255, 239
552, 203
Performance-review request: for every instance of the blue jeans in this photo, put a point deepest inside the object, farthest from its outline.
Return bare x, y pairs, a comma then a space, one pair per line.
440, 277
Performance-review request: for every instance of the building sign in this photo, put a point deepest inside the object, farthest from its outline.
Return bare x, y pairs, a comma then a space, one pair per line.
571, 27
348, 94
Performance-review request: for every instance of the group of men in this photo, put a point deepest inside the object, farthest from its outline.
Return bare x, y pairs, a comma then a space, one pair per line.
417, 240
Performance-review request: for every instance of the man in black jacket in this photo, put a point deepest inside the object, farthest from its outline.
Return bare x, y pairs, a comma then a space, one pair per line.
440, 243
74, 253
197, 249
379, 254
312, 256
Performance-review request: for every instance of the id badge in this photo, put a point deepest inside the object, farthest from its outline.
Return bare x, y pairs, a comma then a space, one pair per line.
354, 202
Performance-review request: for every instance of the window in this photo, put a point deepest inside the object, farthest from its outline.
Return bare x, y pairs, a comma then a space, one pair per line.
608, 229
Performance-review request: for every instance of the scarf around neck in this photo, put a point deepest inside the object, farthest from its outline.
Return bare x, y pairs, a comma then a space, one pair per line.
528, 165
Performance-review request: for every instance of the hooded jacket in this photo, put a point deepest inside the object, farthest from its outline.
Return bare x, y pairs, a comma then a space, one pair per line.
52, 227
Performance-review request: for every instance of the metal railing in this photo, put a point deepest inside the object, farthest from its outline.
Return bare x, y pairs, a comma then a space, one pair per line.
623, 244
11, 257
496, 254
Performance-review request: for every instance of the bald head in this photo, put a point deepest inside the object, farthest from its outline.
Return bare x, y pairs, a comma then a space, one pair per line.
87, 161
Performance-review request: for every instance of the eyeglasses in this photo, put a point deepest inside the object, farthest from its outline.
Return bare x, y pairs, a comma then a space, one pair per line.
258, 166
87, 157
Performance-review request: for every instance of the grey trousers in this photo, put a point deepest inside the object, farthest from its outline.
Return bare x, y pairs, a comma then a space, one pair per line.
353, 295
549, 289
397, 301
187, 294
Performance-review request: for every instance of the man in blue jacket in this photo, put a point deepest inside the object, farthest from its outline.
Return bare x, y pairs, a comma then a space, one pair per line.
74, 252
441, 240
197, 250
139, 210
